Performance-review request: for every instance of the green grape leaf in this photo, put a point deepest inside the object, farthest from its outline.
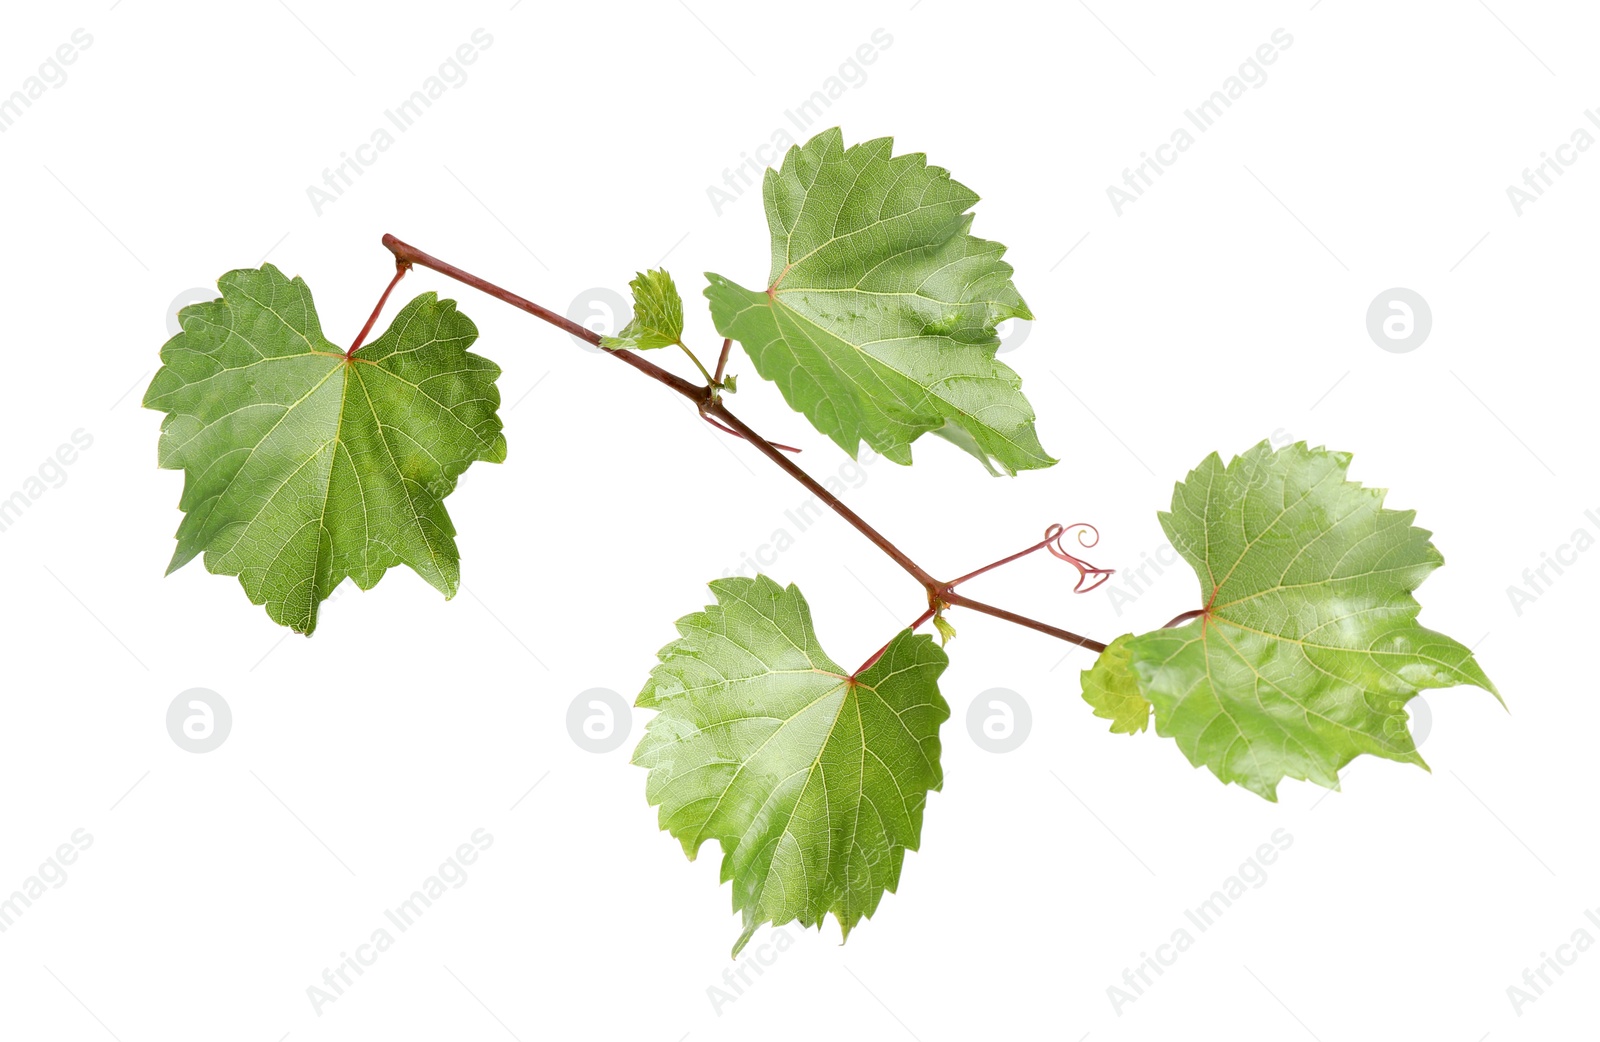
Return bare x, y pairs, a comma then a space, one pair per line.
1112, 690
812, 782
1309, 646
657, 315
302, 467
878, 318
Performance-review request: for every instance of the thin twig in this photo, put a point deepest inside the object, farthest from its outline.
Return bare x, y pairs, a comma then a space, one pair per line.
400, 269
729, 430
710, 380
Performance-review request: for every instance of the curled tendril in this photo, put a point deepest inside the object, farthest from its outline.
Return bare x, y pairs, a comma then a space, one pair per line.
1089, 577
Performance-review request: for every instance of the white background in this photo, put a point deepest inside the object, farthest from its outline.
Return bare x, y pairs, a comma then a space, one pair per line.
1226, 305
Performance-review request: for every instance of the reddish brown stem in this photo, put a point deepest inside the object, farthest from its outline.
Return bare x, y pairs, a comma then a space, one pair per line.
876, 655
1179, 620
400, 269
722, 360
953, 583
833, 502
408, 254
694, 392
957, 600
711, 406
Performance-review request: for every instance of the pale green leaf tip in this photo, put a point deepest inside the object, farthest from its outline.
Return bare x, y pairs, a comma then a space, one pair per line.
1099, 689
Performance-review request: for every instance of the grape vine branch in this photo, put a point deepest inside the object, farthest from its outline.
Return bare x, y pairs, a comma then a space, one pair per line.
307, 463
